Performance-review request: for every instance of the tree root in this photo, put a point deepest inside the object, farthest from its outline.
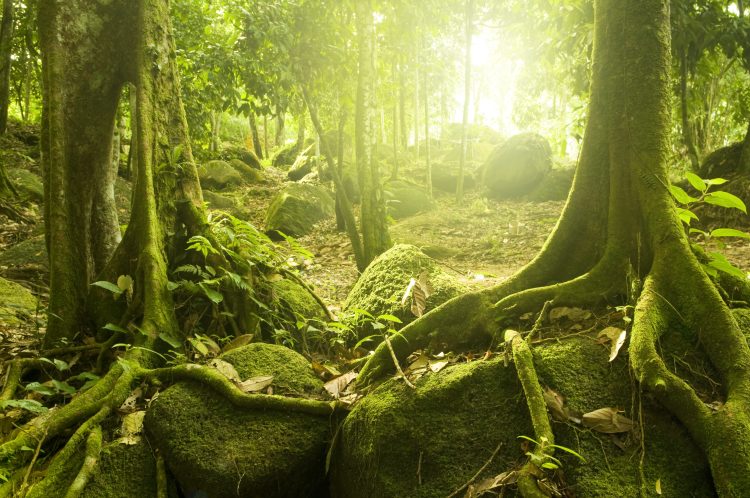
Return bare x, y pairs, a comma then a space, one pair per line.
93, 448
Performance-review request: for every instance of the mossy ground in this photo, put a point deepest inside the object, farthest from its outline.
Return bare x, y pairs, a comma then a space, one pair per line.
16, 303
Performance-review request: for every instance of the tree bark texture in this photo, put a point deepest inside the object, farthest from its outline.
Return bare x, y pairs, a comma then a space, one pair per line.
6, 46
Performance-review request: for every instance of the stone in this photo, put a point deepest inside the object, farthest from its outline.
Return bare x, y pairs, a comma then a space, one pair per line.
297, 208
217, 201
517, 166
404, 199
27, 184
219, 175
555, 186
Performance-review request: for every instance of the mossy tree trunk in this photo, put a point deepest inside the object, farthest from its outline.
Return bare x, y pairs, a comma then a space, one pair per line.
6, 47
620, 228
469, 22
375, 237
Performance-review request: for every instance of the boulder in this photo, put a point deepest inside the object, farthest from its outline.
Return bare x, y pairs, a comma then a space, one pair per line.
721, 162
123, 471
404, 199
249, 174
218, 175
297, 208
230, 152
17, 304
555, 186
517, 166
27, 184
445, 176
287, 155
217, 201
381, 286
431, 440
303, 166
214, 448
298, 300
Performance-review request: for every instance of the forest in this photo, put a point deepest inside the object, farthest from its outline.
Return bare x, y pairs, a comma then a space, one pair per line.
374, 248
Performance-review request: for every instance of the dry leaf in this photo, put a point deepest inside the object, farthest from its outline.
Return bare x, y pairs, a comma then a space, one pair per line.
607, 420
572, 314
338, 385
238, 342
555, 404
437, 366
131, 428
324, 371
420, 292
226, 369
616, 337
422, 363
255, 384
658, 486
130, 403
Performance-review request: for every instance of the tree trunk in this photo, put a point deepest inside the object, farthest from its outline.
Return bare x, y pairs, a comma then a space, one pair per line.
402, 103
375, 238
6, 46
301, 122
469, 19
636, 249
341, 200
687, 132
265, 133
256, 136
416, 104
278, 139
428, 160
744, 165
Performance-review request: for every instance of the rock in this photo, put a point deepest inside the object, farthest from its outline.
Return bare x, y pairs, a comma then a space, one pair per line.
28, 185
303, 166
29, 253
218, 175
517, 166
430, 441
405, 199
298, 300
445, 177
721, 162
381, 286
249, 174
230, 152
123, 471
297, 208
217, 201
222, 451
555, 186
287, 155
17, 304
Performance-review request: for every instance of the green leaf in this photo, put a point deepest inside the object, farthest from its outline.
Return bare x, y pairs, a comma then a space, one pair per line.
550, 466
686, 215
680, 195
63, 387
725, 199
568, 450
25, 404
40, 388
61, 365
390, 318
695, 230
211, 294
696, 181
115, 328
113, 288
169, 339
729, 232
716, 181
720, 262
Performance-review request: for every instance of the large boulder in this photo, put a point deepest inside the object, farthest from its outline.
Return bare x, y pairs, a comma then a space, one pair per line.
405, 199
123, 471
298, 300
218, 175
212, 447
381, 286
27, 184
721, 162
217, 201
249, 173
517, 166
297, 208
431, 440
445, 176
555, 186
17, 304
230, 152
303, 166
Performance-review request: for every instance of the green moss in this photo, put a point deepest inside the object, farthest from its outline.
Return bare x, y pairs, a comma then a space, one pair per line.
31, 251
17, 304
214, 447
219, 175
291, 372
381, 286
217, 201
249, 174
406, 199
123, 471
555, 186
27, 184
297, 208
298, 300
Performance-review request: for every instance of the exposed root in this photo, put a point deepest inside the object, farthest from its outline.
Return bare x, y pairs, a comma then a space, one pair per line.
93, 448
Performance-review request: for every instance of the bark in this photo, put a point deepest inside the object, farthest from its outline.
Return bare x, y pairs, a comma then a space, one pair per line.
6, 46
301, 122
744, 165
428, 159
214, 144
278, 139
687, 132
341, 200
375, 237
404, 128
469, 20
256, 136
416, 104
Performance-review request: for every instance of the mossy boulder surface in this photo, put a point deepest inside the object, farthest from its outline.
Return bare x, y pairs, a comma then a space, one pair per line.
296, 298
298, 207
27, 184
555, 186
405, 199
450, 425
17, 304
123, 471
214, 448
249, 174
217, 201
517, 166
218, 175
381, 286
231, 152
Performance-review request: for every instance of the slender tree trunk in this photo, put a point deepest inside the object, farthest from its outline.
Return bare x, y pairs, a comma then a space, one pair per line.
341, 200
256, 136
278, 139
416, 104
469, 20
6, 46
687, 134
301, 124
265, 133
402, 102
428, 160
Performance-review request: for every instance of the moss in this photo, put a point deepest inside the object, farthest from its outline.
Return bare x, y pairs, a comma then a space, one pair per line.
123, 471
27, 184
298, 300
406, 199
219, 175
517, 166
381, 286
291, 371
555, 186
16, 303
249, 174
217, 201
297, 208
214, 447
457, 417
31, 251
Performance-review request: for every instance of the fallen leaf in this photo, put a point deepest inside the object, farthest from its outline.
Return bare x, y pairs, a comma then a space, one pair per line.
658, 486
338, 385
130, 403
616, 337
421, 291
131, 428
324, 371
572, 314
555, 404
255, 384
437, 366
226, 369
607, 420
238, 342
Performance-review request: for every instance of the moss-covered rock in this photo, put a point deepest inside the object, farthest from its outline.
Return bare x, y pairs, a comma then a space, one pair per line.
27, 184
218, 175
287, 155
404, 199
517, 166
249, 174
303, 166
230, 152
555, 186
445, 176
17, 304
297, 208
444, 432
381, 286
297, 299
31, 252
222, 451
123, 471
217, 201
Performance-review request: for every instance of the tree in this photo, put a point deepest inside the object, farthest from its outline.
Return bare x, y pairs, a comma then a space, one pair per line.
619, 238
6, 47
469, 30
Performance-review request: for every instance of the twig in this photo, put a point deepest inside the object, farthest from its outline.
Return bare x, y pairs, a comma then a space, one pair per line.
479, 472
539, 322
312, 293
33, 461
395, 362
419, 468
